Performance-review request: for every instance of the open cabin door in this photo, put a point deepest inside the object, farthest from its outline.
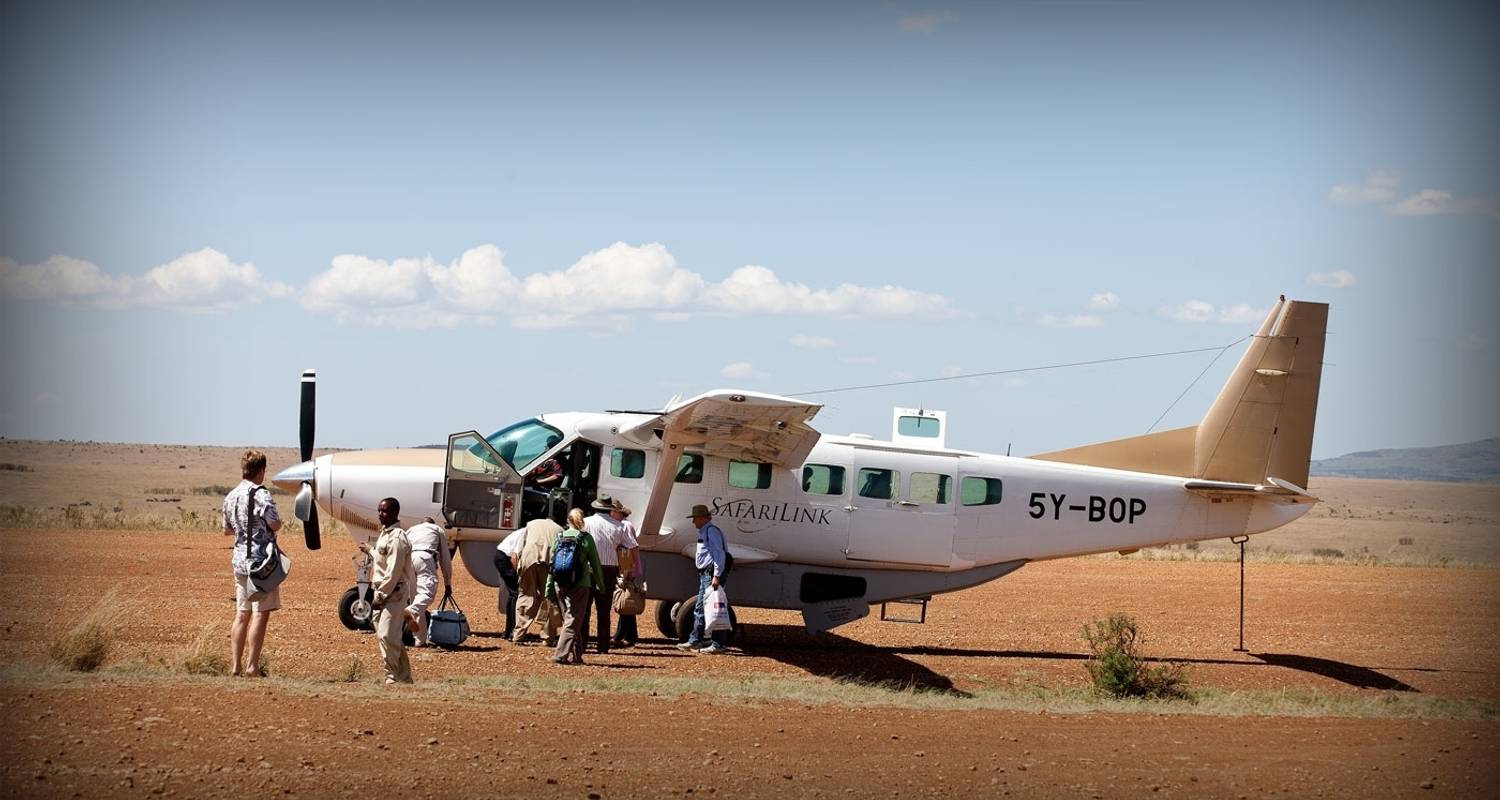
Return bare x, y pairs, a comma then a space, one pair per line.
480, 489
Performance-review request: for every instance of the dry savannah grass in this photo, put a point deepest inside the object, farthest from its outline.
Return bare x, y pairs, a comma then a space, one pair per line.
1369, 673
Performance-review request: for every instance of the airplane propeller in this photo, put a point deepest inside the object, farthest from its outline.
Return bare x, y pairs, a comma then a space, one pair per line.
304, 507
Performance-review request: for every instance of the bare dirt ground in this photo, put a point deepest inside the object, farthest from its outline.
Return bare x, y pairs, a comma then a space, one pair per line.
784, 715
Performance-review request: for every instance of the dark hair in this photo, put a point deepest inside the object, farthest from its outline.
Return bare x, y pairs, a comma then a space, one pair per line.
393, 504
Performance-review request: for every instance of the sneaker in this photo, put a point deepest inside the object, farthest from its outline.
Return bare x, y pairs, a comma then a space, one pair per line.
714, 649
688, 645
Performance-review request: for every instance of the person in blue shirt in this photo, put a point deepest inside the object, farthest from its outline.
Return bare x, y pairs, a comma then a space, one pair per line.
710, 558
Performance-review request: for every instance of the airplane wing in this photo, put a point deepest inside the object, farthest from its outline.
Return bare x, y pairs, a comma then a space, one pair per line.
747, 426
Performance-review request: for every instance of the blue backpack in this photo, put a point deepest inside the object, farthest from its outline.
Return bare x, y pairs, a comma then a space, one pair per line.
566, 560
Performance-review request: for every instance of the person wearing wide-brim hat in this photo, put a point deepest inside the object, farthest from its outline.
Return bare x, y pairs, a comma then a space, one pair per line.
710, 558
611, 536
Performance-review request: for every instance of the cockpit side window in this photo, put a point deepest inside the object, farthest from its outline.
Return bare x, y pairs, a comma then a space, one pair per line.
690, 468
524, 442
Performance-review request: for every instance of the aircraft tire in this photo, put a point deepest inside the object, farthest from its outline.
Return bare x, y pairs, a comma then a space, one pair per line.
346, 610
665, 622
683, 616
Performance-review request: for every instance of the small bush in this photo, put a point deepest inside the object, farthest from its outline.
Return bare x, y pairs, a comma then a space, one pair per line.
205, 656
1407, 540
1117, 667
9, 467
1327, 552
82, 649
354, 671
216, 490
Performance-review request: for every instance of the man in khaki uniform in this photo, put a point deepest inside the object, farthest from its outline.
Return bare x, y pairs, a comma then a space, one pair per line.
535, 561
394, 582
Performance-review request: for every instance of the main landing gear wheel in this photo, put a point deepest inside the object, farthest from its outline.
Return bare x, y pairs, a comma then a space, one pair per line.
355, 612
682, 614
665, 622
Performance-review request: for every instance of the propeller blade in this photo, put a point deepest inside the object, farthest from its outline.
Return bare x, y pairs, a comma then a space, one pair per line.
309, 406
310, 530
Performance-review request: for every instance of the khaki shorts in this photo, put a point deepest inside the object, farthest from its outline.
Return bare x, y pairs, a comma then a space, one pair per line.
270, 601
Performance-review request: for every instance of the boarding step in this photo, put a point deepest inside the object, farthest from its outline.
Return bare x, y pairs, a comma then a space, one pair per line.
887, 615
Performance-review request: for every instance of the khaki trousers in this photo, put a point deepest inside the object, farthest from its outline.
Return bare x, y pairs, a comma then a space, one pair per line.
390, 620
575, 619
532, 604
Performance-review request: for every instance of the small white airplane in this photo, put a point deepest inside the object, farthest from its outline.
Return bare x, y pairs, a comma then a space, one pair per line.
827, 525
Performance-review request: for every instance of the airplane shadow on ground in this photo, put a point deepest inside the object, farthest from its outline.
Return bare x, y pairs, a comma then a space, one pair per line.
842, 659
1356, 676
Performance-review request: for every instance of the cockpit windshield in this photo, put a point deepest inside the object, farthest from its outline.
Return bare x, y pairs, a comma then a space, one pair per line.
524, 442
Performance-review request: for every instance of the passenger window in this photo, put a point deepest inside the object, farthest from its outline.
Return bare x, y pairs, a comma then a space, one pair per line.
922, 427
930, 488
625, 463
980, 491
822, 479
879, 484
749, 475
690, 468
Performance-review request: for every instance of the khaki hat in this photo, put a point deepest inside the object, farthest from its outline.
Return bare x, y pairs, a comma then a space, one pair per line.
700, 510
603, 503
616, 505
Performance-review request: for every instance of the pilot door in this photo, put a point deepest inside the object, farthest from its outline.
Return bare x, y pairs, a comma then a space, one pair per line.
481, 490
568, 479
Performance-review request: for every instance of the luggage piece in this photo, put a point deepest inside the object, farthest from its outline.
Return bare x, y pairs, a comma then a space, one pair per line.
448, 627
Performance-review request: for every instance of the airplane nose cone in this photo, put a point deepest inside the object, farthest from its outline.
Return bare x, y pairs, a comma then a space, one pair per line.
292, 478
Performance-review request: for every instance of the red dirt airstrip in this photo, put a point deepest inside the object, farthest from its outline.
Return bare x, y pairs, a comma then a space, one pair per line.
1344, 630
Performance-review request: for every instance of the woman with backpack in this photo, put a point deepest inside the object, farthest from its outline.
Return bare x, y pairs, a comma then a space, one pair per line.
575, 575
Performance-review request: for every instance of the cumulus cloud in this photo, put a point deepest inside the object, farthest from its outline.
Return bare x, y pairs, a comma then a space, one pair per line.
740, 370
201, 281
1104, 301
606, 288
1381, 188
1377, 187
1338, 279
812, 342
926, 23
1071, 320
1203, 311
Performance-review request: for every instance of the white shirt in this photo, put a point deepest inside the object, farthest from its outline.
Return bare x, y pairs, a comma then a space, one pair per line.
513, 543
427, 537
609, 533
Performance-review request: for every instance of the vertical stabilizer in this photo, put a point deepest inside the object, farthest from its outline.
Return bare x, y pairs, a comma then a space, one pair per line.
1261, 425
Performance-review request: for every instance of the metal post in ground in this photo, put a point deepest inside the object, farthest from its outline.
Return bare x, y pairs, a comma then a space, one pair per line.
1240, 540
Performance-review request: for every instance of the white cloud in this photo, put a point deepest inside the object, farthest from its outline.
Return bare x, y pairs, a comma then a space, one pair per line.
1338, 279
1437, 201
952, 371
1381, 188
742, 369
812, 342
605, 289
201, 281
1071, 320
1104, 301
1377, 187
926, 23
1202, 311
902, 375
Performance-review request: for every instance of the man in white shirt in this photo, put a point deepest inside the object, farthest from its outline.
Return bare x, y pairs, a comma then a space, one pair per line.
610, 534
429, 554
507, 558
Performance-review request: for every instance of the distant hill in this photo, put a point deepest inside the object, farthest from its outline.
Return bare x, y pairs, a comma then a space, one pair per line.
1475, 462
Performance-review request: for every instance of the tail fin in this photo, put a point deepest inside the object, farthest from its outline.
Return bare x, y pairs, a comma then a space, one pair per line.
1259, 427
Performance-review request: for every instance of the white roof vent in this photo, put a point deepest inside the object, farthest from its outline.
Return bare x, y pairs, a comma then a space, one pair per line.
917, 427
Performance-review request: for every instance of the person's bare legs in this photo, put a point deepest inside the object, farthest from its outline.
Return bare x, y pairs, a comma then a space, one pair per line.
237, 639
257, 639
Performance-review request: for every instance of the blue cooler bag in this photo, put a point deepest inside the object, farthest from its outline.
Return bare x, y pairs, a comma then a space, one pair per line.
448, 626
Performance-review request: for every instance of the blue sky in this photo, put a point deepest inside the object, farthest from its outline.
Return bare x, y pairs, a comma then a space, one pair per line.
465, 214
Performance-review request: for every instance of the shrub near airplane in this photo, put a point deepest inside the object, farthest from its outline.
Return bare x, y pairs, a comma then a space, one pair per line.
827, 525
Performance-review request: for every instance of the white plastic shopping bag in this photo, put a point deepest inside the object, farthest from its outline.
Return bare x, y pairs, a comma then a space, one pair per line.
716, 614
